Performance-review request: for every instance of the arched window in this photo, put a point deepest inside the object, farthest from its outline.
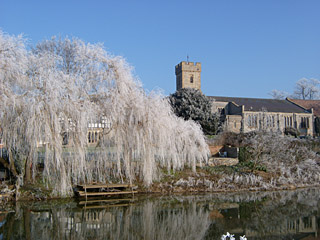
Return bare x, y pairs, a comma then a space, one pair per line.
191, 79
95, 137
273, 121
303, 122
255, 121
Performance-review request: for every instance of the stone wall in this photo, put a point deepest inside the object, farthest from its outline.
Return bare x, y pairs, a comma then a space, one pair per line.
233, 123
223, 161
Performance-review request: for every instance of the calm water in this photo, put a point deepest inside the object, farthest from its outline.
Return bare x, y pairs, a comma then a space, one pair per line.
258, 215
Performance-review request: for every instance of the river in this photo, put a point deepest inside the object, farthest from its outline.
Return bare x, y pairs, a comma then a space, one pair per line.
258, 215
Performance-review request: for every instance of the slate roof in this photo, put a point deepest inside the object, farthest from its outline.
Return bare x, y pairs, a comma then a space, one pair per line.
308, 104
259, 104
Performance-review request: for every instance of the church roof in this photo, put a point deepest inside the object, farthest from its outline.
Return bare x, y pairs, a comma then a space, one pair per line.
260, 104
308, 104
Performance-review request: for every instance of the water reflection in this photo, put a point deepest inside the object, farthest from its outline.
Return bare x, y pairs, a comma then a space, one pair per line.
259, 215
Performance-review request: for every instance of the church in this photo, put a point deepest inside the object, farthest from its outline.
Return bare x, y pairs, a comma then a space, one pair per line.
250, 114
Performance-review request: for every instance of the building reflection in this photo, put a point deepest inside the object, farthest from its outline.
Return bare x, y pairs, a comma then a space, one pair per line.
166, 218
230, 215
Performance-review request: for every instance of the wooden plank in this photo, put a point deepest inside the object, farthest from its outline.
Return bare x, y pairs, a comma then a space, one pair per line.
105, 201
82, 193
107, 206
106, 186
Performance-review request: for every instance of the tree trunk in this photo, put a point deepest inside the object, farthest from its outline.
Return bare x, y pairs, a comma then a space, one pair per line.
27, 223
9, 166
27, 169
8, 226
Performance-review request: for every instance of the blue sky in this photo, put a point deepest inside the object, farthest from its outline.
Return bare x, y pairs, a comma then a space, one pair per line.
246, 47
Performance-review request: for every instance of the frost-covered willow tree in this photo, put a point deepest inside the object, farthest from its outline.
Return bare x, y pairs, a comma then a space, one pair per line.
57, 88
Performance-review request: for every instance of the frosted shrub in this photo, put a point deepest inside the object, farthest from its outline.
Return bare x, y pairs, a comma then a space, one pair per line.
290, 159
59, 87
229, 236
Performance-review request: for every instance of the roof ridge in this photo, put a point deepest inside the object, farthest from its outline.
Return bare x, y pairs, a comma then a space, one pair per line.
271, 99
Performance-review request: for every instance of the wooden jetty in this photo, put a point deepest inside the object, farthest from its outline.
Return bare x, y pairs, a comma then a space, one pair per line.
105, 203
94, 190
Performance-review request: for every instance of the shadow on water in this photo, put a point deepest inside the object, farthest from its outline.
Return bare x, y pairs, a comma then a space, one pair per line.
258, 215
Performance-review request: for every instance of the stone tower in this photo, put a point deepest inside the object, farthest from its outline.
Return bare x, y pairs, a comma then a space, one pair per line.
188, 75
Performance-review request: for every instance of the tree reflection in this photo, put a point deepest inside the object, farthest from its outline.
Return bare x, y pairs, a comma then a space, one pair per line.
257, 215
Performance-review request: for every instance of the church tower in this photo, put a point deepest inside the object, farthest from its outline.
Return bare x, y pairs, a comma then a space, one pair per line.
188, 75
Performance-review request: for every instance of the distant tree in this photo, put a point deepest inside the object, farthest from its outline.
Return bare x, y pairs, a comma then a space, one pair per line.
302, 89
314, 89
191, 104
277, 94
306, 89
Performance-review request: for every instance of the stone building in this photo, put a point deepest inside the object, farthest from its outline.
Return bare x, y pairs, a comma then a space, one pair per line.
188, 75
250, 114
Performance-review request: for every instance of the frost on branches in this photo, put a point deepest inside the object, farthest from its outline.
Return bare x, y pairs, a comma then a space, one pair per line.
60, 86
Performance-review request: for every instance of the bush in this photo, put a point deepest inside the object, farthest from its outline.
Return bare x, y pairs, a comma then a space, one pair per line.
290, 131
191, 104
244, 154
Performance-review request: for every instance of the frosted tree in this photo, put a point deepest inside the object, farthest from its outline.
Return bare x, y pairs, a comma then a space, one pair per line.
277, 94
314, 89
189, 103
306, 89
302, 88
55, 90
13, 65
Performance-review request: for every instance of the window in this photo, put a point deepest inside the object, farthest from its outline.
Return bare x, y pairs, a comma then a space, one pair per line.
89, 137
191, 79
95, 137
272, 121
285, 122
304, 122
252, 121
288, 122
65, 138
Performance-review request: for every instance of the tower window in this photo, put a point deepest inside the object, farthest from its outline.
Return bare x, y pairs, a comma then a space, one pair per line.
191, 79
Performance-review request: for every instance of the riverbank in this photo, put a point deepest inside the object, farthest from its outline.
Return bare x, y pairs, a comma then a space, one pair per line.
221, 179
267, 161
236, 178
